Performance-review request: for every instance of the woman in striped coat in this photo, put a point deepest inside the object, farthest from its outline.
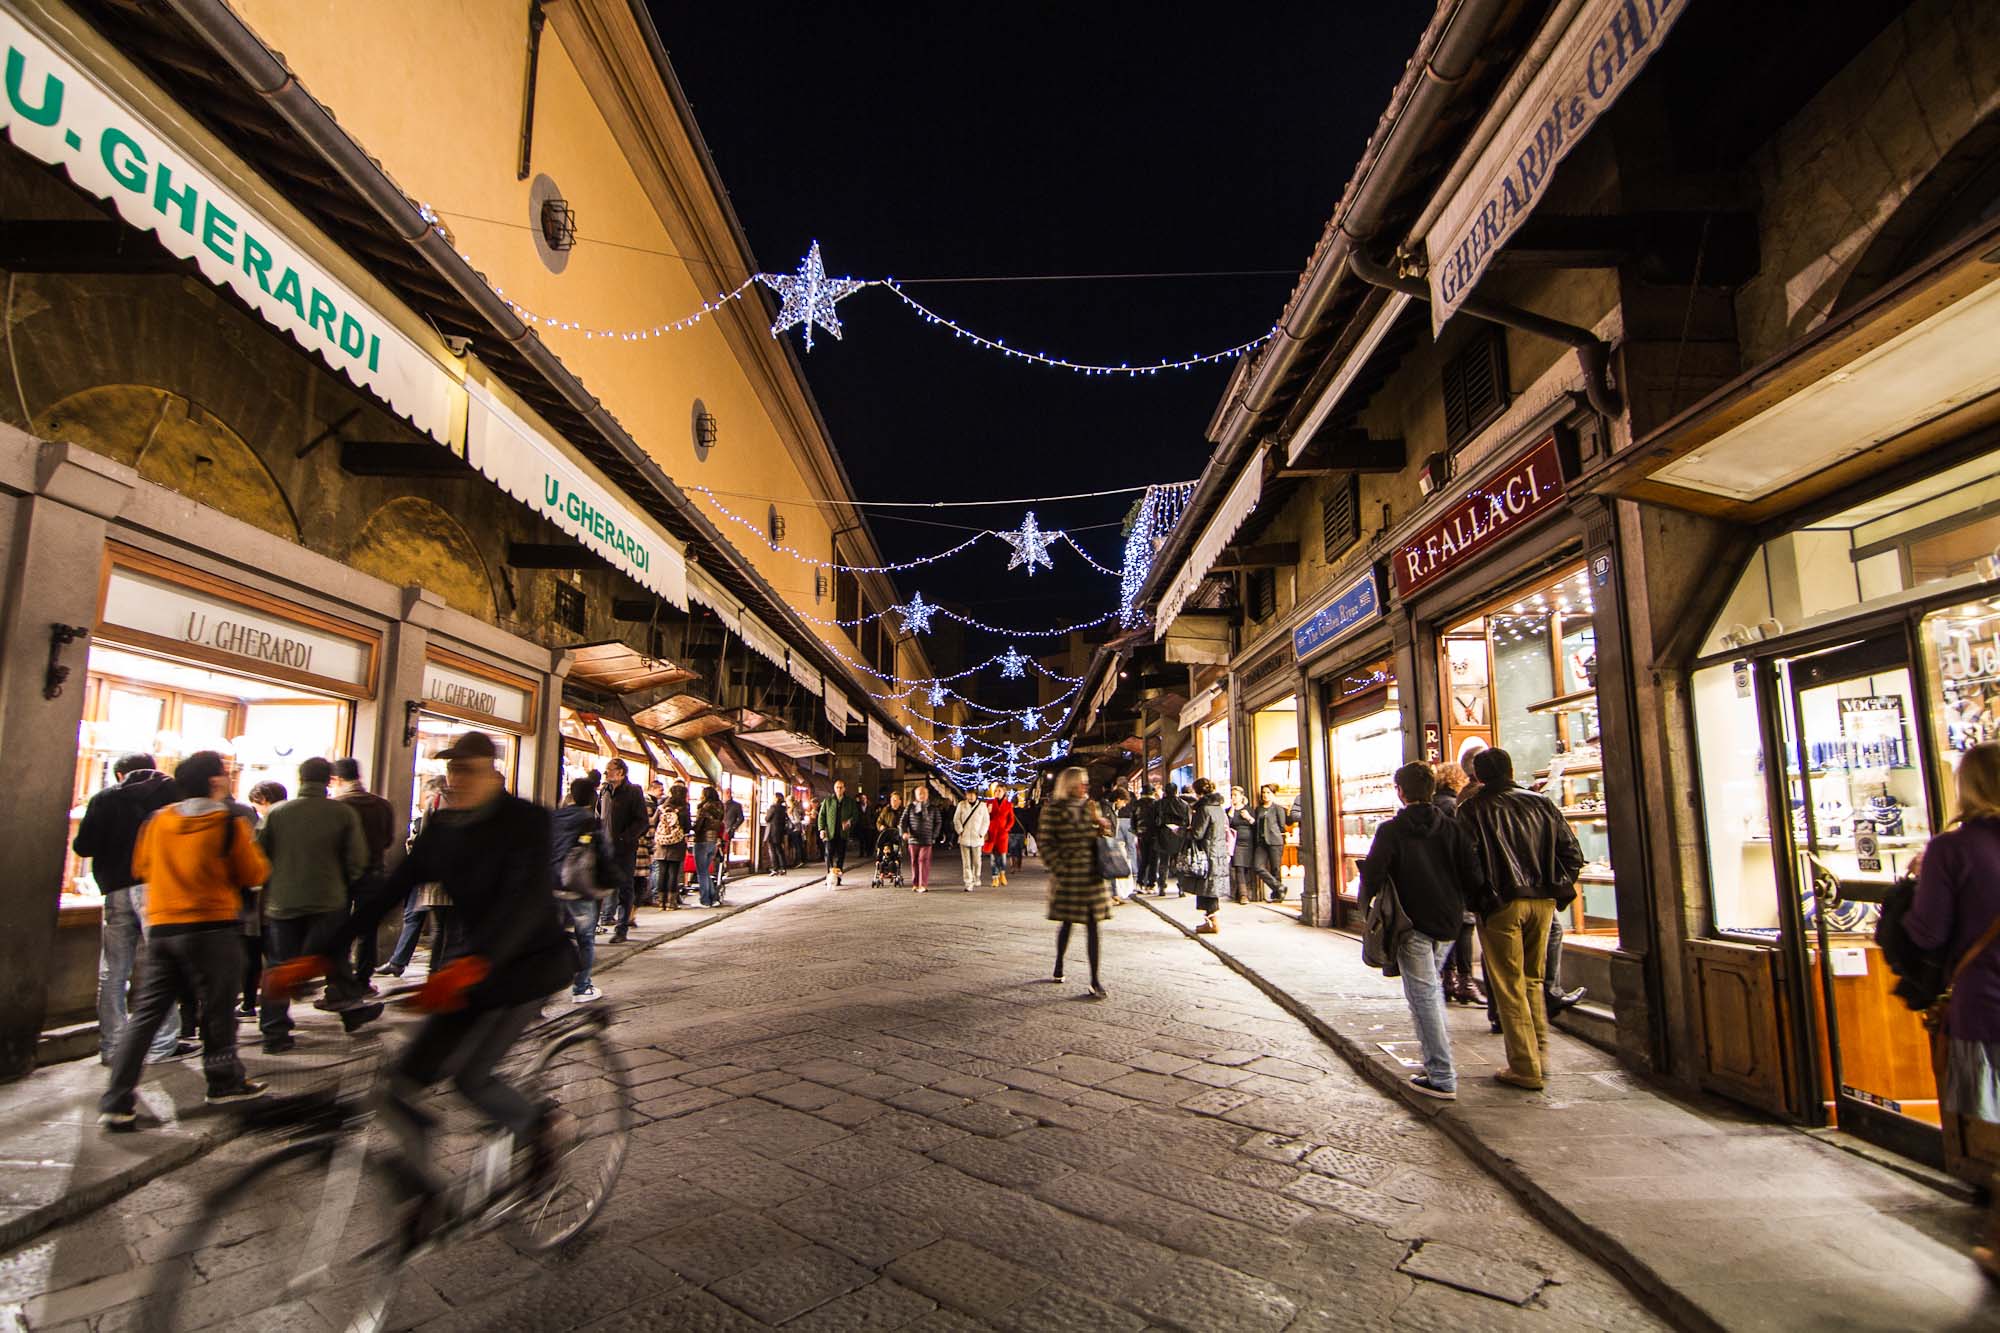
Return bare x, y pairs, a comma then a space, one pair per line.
1070, 827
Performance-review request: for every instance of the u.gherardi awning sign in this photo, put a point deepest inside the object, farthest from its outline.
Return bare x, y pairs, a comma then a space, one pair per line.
1603, 50
55, 111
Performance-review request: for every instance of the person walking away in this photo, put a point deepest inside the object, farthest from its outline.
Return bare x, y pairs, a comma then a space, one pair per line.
1957, 909
378, 829
777, 834
645, 891
1208, 828
490, 852
923, 824
999, 829
1532, 860
708, 817
107, 834
797, 823
1145, 816
196, 858
889, 842
1121, 832
1267, 851
969, 819
670, 846
316, 849
576, 825
732, 820
1026, 820
1426, 858
1170, 823
426, 901
1078, 895
621, 809
838, 815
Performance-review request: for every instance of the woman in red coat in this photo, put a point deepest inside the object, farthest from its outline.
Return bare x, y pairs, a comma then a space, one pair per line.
999, 825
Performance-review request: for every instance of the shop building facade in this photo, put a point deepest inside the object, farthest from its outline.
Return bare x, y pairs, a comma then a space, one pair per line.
1672, 481
278, 478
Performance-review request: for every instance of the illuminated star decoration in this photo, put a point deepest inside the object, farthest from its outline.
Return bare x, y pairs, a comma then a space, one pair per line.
1031, 718
1013, 755
917, 615
937, 695
809, 296
957, 740
1013, 665
1031, 545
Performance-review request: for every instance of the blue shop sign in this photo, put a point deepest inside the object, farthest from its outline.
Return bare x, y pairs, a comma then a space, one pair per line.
1351, 607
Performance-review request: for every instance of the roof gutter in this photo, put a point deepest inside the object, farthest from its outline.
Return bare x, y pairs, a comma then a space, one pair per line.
268, 77
1458, 45
1591, 350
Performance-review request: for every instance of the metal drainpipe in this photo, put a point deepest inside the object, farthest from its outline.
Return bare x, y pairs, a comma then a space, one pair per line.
1592, 351
219, 26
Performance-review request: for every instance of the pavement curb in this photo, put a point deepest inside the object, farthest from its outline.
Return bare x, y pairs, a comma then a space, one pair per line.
85, 1199
1640, 1276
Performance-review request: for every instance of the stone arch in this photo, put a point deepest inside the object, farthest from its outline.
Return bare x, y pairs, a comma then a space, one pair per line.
412, 540
176, 443
1961, 192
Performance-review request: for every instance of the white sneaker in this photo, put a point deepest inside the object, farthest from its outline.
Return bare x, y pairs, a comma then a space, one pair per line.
586, 995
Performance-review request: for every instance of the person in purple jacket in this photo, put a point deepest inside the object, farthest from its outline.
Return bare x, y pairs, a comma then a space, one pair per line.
1958, 897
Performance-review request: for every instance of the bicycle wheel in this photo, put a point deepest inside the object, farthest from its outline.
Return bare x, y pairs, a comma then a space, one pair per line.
582, 1075
313, 1234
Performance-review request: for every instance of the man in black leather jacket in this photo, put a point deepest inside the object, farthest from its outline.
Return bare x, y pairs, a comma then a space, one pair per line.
1532, 861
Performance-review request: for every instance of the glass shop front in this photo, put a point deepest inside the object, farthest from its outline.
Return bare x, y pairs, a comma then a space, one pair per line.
1857, 657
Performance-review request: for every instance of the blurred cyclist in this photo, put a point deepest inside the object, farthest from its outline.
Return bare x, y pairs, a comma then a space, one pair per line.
490, 852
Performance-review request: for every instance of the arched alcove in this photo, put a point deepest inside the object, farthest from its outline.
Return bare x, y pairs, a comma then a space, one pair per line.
411, 540
175, 443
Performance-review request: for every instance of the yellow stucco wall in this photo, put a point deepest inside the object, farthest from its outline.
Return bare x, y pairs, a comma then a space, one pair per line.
387, 67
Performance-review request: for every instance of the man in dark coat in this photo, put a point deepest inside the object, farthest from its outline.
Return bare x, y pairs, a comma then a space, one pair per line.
107, 834
621, 809
378, 827
491, 854
1267, 849
1426, 859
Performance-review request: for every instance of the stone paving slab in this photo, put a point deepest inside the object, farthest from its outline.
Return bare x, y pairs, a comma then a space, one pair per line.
56, 1165
1727, 1220
950, 1210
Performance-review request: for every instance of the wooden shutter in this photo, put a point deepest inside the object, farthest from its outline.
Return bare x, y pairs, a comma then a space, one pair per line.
1475, 385
1340, 517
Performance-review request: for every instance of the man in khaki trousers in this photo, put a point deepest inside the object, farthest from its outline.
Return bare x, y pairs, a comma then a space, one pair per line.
1532, 861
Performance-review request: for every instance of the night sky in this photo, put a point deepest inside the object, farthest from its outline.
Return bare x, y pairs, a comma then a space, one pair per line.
984, 141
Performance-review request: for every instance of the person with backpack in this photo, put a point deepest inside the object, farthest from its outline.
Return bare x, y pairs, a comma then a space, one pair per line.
583, 868
1957, 911
1427, 860
670, 844
196, 857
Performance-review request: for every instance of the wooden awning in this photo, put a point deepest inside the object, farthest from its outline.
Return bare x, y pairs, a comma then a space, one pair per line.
623, 669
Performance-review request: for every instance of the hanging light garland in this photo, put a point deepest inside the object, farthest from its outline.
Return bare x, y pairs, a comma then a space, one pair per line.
1159, 510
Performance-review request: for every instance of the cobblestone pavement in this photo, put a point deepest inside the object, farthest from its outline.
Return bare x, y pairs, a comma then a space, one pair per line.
865, 1109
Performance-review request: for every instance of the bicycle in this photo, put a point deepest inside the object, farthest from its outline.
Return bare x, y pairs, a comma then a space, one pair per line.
341, 1252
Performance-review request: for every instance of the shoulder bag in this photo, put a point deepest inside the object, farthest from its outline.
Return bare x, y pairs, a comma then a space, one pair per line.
1386, 925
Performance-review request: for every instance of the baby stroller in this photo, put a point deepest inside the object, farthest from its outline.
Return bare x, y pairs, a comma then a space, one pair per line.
889, 861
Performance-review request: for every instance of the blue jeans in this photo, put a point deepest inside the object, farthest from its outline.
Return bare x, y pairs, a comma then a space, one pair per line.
413, 927
119, 945
1419, 957
583, 929
704, 872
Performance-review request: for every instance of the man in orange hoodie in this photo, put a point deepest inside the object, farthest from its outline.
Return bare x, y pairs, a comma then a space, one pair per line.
196, 858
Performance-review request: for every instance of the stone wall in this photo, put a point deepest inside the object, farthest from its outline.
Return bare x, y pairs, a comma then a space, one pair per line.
1838, 171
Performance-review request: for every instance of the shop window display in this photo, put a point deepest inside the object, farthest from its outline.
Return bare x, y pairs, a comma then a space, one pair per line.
1521, 675
170, 709
1366, 746
434, 736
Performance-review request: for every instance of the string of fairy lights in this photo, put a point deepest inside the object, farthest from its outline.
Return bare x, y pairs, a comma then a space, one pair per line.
808, 300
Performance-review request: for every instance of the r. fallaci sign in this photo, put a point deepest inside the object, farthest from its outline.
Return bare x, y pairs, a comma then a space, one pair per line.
1486, 514
1352, 607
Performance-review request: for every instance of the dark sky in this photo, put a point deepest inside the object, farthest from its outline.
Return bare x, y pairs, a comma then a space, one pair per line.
954, 141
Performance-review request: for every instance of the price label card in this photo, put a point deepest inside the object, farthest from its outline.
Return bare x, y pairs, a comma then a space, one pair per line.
1848, 962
